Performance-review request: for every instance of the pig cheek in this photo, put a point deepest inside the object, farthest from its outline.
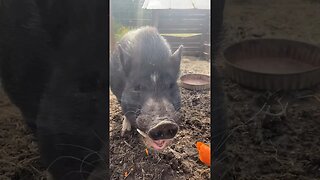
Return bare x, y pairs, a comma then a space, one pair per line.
142, 123
176, 101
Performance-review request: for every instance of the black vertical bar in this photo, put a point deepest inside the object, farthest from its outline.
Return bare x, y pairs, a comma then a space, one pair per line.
218, 119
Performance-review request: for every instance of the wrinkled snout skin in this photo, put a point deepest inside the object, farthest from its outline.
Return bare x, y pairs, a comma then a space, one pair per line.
164, 118
143, 77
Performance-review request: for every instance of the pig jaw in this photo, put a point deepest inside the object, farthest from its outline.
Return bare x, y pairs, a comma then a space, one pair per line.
158, 145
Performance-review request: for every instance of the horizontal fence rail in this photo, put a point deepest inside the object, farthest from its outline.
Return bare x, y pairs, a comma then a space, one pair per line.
190, 28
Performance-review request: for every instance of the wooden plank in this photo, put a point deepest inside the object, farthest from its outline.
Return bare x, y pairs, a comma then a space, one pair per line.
206, 56
183, 39
192, 53
181, 11
180, 30
181, 26
189, 12
187, 48
184, 25
127, 20
184, 11
189, 44
206, 36
135, 22
183, 20
206, 49
184, 16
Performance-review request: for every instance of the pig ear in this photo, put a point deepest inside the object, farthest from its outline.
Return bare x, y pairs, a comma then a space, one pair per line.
124, 59
176, 56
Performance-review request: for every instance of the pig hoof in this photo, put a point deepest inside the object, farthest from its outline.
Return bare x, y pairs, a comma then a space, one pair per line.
126, 126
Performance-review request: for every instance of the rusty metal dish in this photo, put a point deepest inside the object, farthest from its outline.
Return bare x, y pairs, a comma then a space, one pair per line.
273, 64
195, 81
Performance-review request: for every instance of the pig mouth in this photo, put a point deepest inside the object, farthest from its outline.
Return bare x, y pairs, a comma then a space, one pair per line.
159, 144
155, 144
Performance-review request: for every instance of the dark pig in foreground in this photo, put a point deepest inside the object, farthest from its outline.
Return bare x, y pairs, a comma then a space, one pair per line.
143, 77
53, 67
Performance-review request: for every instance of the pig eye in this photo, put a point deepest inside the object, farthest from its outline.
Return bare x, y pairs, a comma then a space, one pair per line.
138, 88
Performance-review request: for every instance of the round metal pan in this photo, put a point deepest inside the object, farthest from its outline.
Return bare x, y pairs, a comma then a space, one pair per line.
273, 64
195, 81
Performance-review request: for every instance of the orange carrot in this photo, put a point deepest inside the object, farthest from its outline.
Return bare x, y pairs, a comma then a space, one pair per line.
147, 152
204, 153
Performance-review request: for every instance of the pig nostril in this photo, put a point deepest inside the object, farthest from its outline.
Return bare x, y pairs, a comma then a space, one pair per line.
172, 132
164, 131
157, 135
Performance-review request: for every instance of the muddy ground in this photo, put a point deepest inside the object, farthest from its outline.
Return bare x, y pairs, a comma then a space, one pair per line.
286, 143
260, 146
19, 156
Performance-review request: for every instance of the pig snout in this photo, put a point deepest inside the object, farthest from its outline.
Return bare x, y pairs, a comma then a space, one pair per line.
163, 130
158, 123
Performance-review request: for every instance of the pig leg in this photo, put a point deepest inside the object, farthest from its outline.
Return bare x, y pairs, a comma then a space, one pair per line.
126, 126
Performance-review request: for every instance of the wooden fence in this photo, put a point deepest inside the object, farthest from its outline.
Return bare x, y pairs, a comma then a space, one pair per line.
191, 28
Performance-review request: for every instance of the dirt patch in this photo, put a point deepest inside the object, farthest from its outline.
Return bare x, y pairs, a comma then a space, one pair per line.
128, 154
19, 157
273, 135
